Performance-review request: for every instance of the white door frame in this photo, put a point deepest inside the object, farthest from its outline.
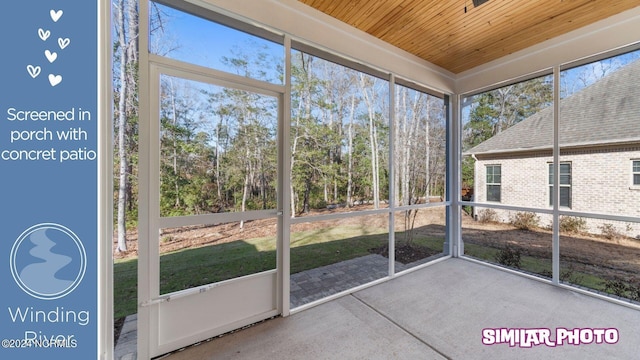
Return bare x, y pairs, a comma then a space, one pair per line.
171, 321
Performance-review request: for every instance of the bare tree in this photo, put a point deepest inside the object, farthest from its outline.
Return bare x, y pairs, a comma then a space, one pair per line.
350, 152
123, 47
368, 93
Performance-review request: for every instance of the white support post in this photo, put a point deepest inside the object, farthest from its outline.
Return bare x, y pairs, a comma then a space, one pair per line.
454, 223
555, 257
144, 229
392, 198
284, 166
105, 184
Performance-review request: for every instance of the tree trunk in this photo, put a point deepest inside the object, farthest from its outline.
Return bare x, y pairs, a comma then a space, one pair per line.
350, 154
128, 51
122, 122
373, 141
174, 115
132, 25
307, 193
430, 174
245, 192
326, 190
217, 159
376, 162
406, 148
294, 147
263, 181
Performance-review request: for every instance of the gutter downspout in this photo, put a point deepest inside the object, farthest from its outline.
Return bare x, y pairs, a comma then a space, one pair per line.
475, 182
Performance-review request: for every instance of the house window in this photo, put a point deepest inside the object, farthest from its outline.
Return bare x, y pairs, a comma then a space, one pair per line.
636, 172
493, 183
565, 184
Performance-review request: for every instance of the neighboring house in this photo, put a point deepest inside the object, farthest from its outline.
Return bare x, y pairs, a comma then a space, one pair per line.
599, 132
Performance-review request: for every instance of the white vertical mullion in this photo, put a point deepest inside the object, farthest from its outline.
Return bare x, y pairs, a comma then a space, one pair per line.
153, 246
105, 184
453, 174
144, 333
555, 258
392, 185
284, 183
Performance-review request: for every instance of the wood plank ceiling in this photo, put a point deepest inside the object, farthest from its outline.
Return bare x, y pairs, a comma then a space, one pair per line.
441, 32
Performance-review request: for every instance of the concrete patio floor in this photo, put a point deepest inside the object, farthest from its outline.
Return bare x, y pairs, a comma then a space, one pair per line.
438, 312
306, 287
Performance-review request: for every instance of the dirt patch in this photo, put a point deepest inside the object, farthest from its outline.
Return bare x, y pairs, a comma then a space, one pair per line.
606, 258
405, 254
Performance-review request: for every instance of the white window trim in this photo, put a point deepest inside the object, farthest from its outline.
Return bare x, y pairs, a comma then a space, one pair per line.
633, 186
492, 183
570, 186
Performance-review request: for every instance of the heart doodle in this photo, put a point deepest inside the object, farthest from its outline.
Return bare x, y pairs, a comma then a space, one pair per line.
34, 71
63, 43
55, 79
44, 34
55, 15
51, 56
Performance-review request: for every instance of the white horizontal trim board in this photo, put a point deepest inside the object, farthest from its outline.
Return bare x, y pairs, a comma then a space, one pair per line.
550, 211
207, 75
421, 206
600, 216
506, 207
343, 215
217, 218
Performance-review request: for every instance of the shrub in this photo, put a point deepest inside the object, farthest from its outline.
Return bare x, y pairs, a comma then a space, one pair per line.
546, 273
629, 228
609, 231
572, 224
569, 275
616, 287
566, 275
509, 257
619, 287
635, 292
525, 220
487, 216
317, 203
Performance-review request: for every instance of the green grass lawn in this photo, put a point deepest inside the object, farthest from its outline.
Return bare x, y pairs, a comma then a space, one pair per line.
309, 249
125, 287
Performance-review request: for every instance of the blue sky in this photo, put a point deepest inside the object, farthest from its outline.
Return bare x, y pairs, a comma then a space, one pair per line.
203, 42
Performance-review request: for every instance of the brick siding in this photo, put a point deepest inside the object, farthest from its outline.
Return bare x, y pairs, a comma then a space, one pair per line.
601, 182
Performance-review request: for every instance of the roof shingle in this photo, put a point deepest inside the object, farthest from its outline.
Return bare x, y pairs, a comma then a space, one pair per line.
606, 112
